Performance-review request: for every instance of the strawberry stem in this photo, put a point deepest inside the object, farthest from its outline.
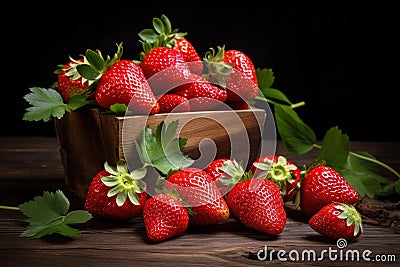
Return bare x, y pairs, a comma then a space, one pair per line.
9, 208
296, 105
380, 163
299, 104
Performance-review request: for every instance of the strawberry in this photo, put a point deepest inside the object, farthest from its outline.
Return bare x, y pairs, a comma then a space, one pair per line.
163, 35
164, 68
69, 82
224, 172
322, 185
124, 83
258, 204
189, 54
202, 94
164, 217
281, 171
238, 105
79, 76
173, 103
337, 220
233, 70
116, 194
197, 188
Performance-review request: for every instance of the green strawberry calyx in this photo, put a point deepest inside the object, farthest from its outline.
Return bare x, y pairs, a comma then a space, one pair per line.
92, 65
161, 36
233, 173
124, 183
217, 69
280, 172
352, 217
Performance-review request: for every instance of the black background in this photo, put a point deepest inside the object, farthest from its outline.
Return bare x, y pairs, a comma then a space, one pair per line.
337, 58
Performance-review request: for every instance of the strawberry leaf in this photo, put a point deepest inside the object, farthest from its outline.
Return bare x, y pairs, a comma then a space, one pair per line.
47, 104
48, 214
276, 95
265, 78
162, 150
335, 148
363, 175
297, 137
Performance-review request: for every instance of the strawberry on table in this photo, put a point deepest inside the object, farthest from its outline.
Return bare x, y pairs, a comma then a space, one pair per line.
115, 193
164, 35
281, 171
337, 220
258, 204
322, 185
225, 173
164, 217
125, 83
197, 189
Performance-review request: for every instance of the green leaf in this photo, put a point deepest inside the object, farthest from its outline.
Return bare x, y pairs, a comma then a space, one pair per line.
363, 175
335, 148
48, 214
148, 35
265, 78
95, 60
77, 216
120, 109
276, 95
297, 137
158, 25
88, 72
46, 104
161, 149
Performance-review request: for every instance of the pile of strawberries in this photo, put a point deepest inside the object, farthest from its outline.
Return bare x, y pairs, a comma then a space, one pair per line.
202, 197
170, 76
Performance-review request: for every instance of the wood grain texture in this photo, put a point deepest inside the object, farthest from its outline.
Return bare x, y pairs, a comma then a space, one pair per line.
29, 166
88, 138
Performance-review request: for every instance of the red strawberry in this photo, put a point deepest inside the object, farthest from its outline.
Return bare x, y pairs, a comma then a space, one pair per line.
258, 204
322, 185
165, 69
70, 83
124, 83
281, 171
189, 54
337, 220
115, 194
233, 70
213, 168
164, 217
224, 172
164, 35
173, 103
197, 188
202, 94
80, 76
238, 105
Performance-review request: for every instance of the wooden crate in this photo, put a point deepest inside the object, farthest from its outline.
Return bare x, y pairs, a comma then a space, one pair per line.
88, 138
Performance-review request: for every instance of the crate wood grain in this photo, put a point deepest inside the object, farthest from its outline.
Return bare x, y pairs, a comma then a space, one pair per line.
88, 138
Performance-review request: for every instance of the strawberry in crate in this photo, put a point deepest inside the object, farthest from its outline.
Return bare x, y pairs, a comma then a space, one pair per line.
95, 81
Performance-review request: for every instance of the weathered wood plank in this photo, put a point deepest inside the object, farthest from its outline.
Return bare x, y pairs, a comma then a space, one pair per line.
104, 243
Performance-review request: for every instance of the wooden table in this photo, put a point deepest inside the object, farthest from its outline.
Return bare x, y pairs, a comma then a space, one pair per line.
31, 165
